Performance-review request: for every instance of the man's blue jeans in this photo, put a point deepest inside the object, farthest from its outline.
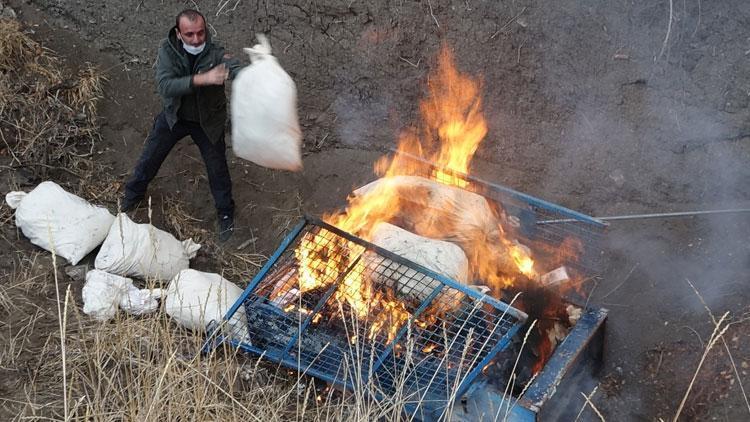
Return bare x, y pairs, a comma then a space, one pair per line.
160, 142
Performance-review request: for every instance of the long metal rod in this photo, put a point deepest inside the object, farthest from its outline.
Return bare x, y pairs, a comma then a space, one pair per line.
646, 216
496, 192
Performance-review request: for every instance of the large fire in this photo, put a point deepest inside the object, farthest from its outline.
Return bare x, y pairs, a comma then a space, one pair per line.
451, 130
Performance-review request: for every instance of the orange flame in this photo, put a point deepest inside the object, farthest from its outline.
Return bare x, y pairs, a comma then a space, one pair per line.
452, 119
452, 128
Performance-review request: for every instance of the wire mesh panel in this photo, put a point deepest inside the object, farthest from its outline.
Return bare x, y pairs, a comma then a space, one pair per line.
341, 309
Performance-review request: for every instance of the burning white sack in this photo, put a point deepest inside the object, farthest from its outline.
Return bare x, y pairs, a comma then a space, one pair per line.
103, 293
438, 211
194, 299
265, 129
59, 221
142, 250
444, 258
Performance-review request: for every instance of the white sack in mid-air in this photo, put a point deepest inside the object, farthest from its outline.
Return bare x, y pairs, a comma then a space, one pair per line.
59, 221
265, 129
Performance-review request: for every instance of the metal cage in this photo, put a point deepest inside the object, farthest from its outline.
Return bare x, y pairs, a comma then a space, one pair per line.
431, 336
422, 336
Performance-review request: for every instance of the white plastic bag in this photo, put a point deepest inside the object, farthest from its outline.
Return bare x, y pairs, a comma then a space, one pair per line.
142, 250
140, 301
194, 299
103, 293
265, 129
57, 220
444, 258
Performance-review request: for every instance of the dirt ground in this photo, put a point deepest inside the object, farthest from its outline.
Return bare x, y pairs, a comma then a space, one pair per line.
605, 107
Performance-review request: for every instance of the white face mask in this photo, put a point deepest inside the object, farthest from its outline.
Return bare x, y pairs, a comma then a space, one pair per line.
193, 50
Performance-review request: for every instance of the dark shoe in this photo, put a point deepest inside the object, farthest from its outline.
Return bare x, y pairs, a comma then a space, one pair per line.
226, 227
129, 204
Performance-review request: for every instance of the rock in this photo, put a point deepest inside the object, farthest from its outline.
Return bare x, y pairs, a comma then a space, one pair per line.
7, 12
77, 272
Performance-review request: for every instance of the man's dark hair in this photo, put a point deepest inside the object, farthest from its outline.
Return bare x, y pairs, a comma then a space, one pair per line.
191, 14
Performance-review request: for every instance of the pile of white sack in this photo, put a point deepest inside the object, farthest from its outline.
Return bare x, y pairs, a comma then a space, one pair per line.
71, 228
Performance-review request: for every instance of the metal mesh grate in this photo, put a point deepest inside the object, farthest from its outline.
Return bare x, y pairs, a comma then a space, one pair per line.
348, 312
410, 332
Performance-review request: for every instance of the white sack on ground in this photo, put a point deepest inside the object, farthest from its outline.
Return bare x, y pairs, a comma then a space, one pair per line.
194, 299
103, 293
444, 258
57, 220
438, 211
265, 129
142, 250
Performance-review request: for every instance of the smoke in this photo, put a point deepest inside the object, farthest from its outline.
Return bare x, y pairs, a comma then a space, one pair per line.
655, 124
642, 131
361, 116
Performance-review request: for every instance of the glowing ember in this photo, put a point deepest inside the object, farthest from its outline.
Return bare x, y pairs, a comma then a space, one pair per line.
429, 348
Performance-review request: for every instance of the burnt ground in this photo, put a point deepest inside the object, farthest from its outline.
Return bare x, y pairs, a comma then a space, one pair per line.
589, 105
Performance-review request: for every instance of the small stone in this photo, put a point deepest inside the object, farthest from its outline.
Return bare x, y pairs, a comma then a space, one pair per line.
300, 387
8, 13
77, 272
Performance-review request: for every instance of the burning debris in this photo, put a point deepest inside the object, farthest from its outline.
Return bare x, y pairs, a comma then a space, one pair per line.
442, 207
408, 284
373, 317
434, 210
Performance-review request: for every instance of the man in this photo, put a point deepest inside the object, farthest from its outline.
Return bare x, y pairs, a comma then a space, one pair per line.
190, 75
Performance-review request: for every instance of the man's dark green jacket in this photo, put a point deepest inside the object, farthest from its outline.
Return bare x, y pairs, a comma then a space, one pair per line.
174, 79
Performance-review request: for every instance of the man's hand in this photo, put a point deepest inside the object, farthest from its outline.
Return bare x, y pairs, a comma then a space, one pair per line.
215, 76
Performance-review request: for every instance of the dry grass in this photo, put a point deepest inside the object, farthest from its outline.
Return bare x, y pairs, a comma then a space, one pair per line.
180, 223
87, 91
48, 120
149, 369
233, 264
16, 49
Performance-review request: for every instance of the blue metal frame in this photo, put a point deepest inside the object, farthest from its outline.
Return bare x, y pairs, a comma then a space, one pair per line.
214, 337
532, 211
540, 394
500, 338
564, 356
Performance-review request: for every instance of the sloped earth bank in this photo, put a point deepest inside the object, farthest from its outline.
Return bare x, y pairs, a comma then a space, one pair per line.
604, 107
